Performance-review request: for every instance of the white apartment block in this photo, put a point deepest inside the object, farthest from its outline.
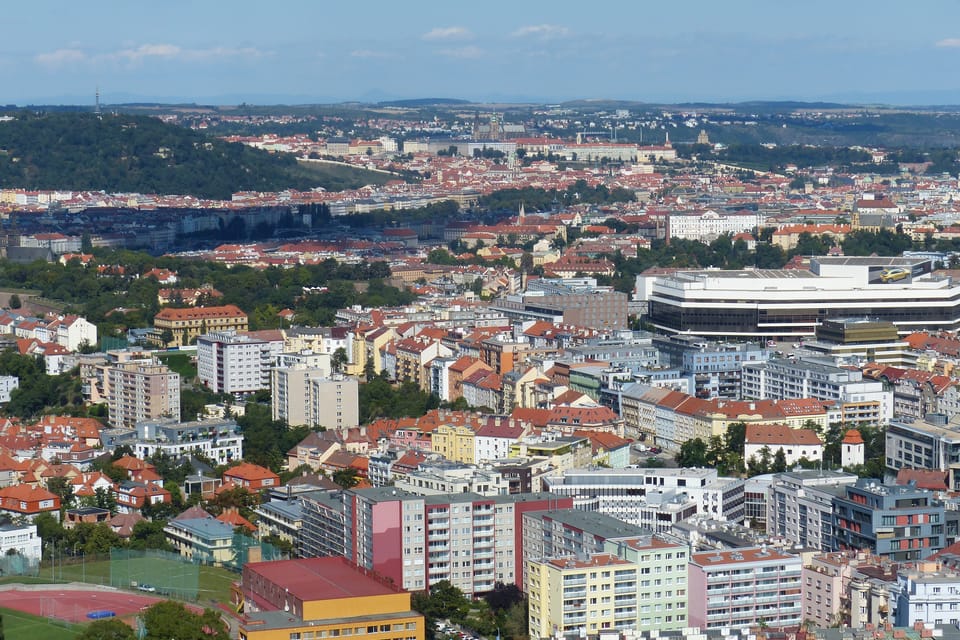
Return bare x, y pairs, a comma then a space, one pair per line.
21, 539
228, 362
781, 379
219, 440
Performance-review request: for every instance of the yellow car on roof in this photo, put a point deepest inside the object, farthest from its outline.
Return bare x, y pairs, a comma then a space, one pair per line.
892, 275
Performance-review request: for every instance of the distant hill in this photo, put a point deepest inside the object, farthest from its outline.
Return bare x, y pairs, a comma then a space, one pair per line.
423, 102
125, 153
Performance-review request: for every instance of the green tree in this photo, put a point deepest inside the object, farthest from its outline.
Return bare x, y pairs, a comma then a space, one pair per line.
109, 629
346, 478
63, 489
15, 302
693, 453
168, 619
339, 360
779, 461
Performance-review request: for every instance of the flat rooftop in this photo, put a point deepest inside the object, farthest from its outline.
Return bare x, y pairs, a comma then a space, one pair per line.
311, 579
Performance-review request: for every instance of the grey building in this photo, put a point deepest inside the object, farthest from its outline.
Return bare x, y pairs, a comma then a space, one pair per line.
800, 506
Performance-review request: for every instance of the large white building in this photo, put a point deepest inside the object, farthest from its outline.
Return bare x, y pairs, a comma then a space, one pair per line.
707, 226
630, 494
235, 363
862, 401
788, 303
20, 539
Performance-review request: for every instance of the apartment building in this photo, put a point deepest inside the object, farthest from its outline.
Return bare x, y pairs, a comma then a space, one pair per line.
179, 327
928, 594
307, 395
572, 532
861, 401
900, 522
235, 363
218, 440
141, 390
931, 443
574, 595
800, 506
471, 540
740, 588
714, 367
444, 477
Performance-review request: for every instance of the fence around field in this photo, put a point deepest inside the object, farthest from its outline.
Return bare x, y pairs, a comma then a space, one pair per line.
153, 571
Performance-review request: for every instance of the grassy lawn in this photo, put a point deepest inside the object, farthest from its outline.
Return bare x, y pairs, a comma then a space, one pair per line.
180, 362
17, 624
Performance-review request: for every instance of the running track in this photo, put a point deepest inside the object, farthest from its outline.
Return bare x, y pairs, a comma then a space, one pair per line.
74, 605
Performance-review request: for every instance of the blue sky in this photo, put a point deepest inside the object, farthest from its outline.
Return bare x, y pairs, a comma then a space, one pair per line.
320, 51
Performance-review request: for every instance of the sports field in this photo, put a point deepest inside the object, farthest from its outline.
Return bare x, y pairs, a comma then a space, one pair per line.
17, 624
213, 582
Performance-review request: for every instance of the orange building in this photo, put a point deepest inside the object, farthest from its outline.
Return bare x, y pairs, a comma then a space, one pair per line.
313, 598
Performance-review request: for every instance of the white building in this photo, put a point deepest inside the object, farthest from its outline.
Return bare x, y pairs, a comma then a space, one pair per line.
236, 363
21, 539
74, 332
767, 303
796, 444
218, 440
782, 379
452, 477
301, 394
707, 226
932, 598
7, 385
622, 493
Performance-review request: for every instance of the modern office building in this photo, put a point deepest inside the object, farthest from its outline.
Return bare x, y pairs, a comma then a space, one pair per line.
931, 443
573, 301
217, 440
740, 588
800, 506
714, 367
771, 303
899, 522
323, 598
629, 494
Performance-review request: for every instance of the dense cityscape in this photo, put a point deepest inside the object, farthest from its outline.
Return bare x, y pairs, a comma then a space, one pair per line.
451, 369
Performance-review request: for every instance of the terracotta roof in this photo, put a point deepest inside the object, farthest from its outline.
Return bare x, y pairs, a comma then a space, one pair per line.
924, 478
201, 313
780, 435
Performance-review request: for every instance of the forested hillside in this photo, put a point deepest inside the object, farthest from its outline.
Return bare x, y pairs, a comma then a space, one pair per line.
123, 153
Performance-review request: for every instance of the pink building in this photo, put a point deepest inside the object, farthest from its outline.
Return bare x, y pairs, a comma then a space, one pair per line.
741, 588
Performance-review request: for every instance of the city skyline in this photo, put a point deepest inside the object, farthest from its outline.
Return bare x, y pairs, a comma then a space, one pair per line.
303, 52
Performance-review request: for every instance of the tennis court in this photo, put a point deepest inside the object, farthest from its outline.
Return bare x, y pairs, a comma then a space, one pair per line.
74, 606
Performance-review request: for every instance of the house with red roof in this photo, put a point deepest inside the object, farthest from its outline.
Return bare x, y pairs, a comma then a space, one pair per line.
132, 496
251, 477
795, 443
28, 501
609, 449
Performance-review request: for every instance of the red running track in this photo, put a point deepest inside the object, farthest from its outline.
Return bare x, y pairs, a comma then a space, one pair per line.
74, 605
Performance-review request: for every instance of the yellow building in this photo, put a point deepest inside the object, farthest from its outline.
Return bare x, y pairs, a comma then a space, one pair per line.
454, 442
567, 595
178, 327
320, 598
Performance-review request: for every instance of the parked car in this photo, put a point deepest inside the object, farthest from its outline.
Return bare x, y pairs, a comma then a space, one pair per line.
148, 588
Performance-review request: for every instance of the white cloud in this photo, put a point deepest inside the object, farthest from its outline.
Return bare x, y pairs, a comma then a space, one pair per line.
137, 55
471, 52
949, 43
447, 33
541, 31
369, 53
60, 57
